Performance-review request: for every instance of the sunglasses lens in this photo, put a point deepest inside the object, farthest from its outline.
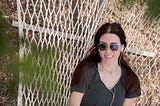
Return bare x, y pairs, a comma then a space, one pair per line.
102, 47
114, 47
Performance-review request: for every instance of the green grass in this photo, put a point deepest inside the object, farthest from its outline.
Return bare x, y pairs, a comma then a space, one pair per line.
37, 71
8, 51
153, 11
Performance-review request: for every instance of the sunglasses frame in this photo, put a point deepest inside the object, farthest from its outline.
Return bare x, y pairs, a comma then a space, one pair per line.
104, 46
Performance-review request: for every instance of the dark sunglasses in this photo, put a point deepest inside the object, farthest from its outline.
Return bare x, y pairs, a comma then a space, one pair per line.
112, 46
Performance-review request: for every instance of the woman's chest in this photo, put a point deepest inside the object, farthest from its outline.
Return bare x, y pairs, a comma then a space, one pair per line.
99, 95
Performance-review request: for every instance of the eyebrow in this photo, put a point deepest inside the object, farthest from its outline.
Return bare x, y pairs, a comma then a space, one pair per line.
110, 43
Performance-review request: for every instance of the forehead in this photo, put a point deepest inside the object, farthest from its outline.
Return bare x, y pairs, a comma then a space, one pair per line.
109, 38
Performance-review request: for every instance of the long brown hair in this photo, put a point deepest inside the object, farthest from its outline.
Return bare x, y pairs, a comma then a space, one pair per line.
93, 57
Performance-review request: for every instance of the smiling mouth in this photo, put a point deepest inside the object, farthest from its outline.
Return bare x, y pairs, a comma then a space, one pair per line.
108, 57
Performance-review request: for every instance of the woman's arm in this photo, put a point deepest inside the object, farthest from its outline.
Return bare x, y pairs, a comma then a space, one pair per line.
75, 99
129, 102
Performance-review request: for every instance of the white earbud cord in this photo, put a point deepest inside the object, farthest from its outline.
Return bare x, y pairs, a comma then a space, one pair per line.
113, 93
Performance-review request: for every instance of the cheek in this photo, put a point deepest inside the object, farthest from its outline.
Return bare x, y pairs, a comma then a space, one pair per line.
101, 53
118, 54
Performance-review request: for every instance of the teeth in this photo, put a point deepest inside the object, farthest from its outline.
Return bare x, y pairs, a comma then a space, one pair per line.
108, 57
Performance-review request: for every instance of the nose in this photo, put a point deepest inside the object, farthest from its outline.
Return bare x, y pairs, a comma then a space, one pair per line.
108, 50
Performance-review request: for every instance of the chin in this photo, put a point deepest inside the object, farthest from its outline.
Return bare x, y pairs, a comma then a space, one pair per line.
109, 61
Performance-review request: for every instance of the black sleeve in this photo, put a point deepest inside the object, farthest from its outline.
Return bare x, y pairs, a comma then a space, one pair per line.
83, 84
134, 87
134, 94
132, 84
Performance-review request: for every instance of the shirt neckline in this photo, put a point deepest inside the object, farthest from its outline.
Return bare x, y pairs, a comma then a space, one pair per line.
99, 79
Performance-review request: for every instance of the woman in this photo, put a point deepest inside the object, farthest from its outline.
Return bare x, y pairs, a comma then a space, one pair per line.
103, 77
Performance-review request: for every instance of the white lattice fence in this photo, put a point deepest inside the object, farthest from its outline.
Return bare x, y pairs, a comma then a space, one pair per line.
55, 35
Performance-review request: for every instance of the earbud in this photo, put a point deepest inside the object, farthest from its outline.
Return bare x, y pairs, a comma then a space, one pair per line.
122, 49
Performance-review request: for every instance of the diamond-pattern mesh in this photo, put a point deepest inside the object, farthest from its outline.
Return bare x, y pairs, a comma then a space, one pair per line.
55, 35
143, 49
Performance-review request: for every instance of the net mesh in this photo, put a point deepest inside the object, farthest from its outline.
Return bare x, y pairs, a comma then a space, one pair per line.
143, 49
55, 35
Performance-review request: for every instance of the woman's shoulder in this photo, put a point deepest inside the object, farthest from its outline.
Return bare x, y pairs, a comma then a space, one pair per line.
81, 81
90, 69
128, 71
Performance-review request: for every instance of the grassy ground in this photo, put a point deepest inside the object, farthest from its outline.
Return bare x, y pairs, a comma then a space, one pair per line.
8, 49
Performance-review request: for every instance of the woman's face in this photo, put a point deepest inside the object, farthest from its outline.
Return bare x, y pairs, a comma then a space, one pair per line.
109, 48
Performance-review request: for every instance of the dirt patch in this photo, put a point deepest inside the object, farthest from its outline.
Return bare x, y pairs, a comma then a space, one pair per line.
8, 78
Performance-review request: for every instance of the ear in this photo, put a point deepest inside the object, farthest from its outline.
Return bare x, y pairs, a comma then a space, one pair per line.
122, 48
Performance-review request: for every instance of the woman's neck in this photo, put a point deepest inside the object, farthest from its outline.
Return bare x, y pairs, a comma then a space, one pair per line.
111, 68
